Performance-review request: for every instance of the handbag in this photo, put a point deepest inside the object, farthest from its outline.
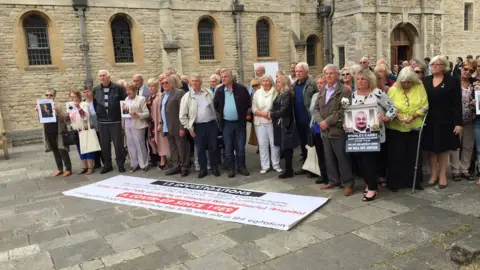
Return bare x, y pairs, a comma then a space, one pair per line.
88, 140
70, 137
311, 163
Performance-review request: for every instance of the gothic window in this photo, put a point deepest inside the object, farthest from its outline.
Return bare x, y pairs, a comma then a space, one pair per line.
38, 46
122, 40
341, 56
311, 50
467, 17
263, 38
205, 39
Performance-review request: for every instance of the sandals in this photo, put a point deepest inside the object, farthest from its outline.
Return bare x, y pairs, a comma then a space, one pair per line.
467, 176
134, 169
83, 171
90, 171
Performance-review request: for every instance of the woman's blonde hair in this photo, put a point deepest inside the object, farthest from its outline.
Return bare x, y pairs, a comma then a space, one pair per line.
131, 87
370, 76
177, 83
285, 83
381, 68
152, 82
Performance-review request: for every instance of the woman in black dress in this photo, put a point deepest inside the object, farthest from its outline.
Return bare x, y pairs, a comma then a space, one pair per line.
444, 120
284, 128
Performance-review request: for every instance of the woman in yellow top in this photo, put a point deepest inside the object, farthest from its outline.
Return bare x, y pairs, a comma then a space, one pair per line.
410, 98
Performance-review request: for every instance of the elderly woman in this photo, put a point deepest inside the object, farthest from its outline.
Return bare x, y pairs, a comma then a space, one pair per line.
316, 132
383, 82
444, 120
80, 119
261, 106
283, 119
91, 102
410, 99
371, 165
420, 69
347, 78
157, 141
460, 159
135, 127
214, 81
52, 137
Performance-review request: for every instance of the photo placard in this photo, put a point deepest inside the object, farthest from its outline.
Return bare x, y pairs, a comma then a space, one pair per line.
46, 113
362, 128
477, 103
125, 109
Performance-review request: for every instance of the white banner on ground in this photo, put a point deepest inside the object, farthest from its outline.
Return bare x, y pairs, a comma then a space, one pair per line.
265, 209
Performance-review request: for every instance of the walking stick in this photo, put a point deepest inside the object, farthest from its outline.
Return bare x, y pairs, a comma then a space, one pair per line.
418, 153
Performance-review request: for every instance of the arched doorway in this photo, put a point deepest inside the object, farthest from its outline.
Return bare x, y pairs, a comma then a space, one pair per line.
402, 43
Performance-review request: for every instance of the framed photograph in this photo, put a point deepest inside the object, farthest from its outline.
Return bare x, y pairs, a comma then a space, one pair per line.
46, 114
125, 109
71, 108
477, 103
362, 128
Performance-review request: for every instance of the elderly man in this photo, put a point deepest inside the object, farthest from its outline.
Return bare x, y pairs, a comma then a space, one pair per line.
198, 116
172, 128
108, 96
304, 88
365, 63
142, 89
329, 111
171, 71
214, 82
361, 123
292, 76
259, 72
232, 102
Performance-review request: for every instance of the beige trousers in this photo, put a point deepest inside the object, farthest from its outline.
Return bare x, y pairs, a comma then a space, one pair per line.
460, 159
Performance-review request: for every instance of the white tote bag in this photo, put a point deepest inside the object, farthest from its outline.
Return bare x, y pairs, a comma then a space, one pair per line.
88, 140
311, 163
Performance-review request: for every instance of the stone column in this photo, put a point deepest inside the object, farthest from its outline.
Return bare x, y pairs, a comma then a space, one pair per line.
171, 46
295, 26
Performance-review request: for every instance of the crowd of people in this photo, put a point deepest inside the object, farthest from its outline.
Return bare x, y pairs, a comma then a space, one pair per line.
427, 115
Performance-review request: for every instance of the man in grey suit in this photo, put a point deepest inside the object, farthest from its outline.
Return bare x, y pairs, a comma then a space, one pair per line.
172, 127
142, 89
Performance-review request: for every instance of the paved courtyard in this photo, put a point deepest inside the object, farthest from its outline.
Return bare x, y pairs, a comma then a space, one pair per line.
42, 229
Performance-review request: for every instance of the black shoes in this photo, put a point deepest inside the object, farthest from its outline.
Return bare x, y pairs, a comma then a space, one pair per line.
172, 171
287, 174
321, 180
106, 170
202, 174
215, 172
185, 173
300, 172
231, 173
121, 170
243, 171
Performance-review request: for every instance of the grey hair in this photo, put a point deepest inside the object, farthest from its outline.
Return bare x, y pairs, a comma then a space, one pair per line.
304, 65
195, 76
366, 58
442, 58
370, 76
407, 74
172, 69
330, 66
52, 90
349, 69
139, 76
266, 76
122, 83
215, 77
104, 71
355, 69
227, 71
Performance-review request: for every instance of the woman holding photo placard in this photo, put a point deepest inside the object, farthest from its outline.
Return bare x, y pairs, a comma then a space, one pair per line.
460, 159
53, 140
370, 166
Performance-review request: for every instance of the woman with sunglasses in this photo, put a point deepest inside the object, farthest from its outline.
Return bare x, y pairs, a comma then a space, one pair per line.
444, 121
53, 140
420, 70
460, 159
410, 99
347, 78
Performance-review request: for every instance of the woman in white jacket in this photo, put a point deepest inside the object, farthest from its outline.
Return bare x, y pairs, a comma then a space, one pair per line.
261, 106
135, 127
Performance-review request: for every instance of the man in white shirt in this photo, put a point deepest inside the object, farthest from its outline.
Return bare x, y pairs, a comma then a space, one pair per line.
292, 75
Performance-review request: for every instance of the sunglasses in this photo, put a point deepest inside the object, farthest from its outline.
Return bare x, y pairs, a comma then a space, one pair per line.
256, 85
346, 74
363, 62
418, 71
163, 83
48, 95
469, 70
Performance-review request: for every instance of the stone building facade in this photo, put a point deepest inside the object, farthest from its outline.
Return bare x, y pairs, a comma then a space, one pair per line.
197, 36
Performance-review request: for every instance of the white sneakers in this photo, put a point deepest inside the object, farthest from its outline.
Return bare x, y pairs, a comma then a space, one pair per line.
264, 171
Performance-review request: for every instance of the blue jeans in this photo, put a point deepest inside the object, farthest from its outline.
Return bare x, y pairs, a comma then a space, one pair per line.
234, 139
476, 129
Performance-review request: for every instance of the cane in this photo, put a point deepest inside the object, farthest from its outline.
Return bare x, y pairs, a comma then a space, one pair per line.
418, 153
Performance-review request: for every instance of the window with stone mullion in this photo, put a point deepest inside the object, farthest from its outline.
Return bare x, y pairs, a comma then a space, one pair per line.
38, 46
122, 41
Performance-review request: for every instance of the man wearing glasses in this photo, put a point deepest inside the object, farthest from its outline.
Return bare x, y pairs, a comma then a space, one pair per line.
365, 63
108, 95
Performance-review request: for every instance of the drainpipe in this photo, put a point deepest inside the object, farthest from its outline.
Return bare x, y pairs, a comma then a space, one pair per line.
80, 6
330, 33
325, 12
237, 10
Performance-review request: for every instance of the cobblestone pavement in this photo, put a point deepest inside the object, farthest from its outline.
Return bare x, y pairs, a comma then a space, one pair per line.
42, 229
